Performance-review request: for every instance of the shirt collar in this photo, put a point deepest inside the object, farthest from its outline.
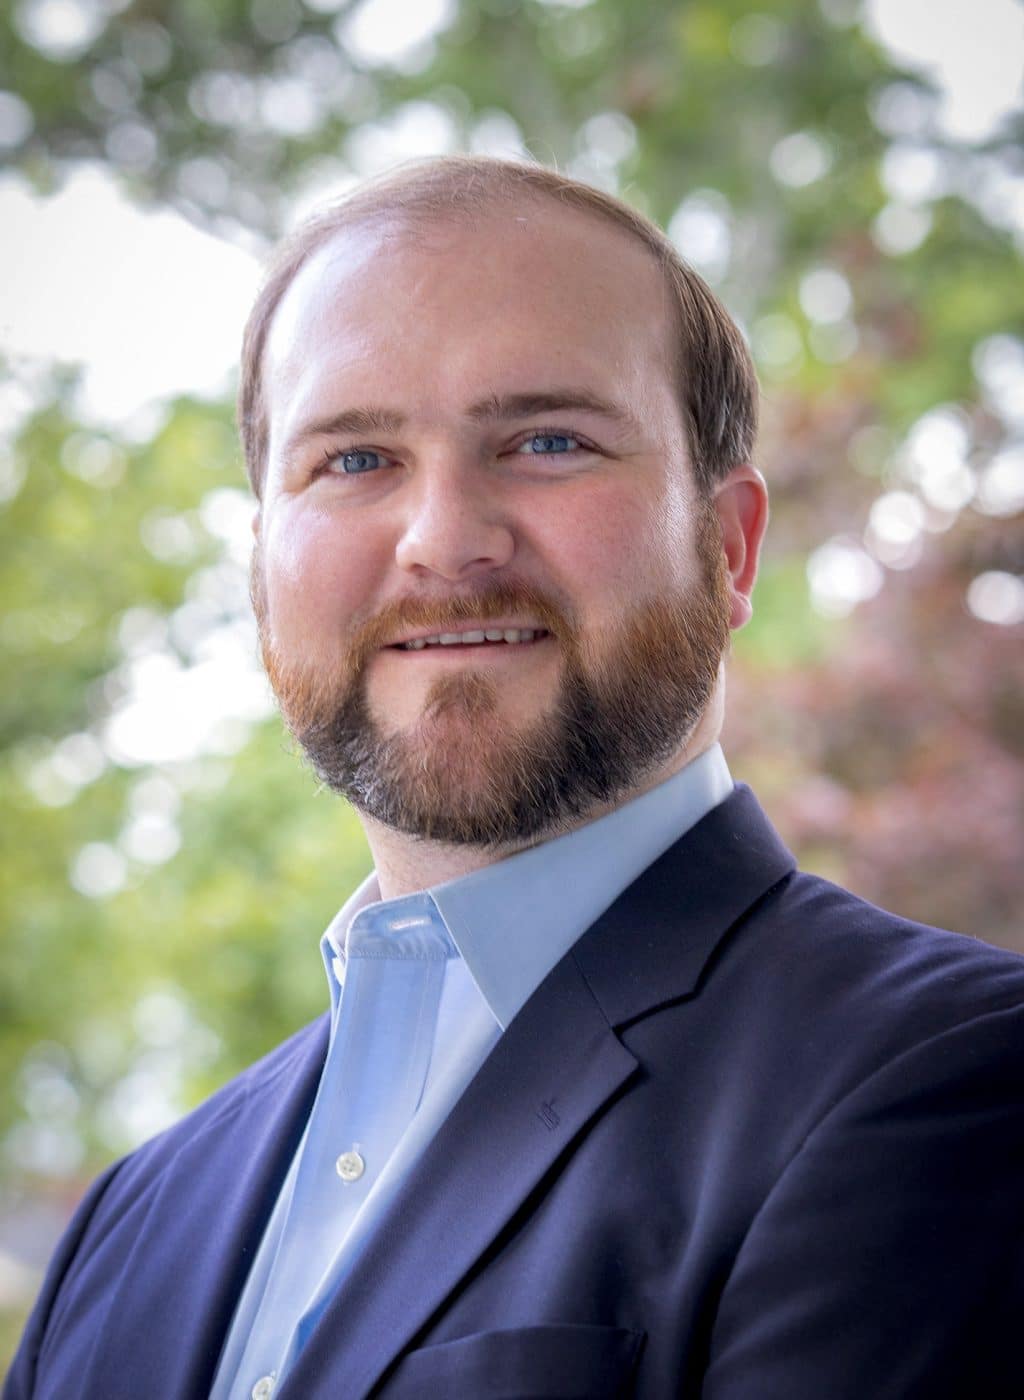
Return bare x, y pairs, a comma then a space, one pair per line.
514, 920
332, 944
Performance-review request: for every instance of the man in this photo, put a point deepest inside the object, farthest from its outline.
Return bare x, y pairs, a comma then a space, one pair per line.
611, 1100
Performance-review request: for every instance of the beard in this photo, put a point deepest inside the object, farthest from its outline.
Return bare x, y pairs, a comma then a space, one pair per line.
460, 774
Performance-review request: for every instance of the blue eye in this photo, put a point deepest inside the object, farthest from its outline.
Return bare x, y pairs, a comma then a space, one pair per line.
546, 444
360, 460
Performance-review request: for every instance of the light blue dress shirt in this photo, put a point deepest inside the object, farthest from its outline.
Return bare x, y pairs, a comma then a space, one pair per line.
422, 988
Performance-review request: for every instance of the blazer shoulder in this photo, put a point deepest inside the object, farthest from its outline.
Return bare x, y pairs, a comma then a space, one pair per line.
839, 924
875, 977
818, 999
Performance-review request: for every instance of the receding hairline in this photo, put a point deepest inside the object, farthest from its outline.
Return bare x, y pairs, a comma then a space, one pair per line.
396, 225
402, 230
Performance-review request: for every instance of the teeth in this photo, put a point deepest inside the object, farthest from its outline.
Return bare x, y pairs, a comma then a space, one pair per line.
490, 634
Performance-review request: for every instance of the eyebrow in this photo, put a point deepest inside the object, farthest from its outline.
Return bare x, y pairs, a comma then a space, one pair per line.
500, 408
495, 408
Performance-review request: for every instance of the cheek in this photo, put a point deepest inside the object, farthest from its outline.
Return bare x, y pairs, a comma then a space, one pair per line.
617, 546
313, 572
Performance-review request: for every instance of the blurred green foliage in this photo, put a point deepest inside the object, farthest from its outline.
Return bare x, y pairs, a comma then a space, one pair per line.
885, 739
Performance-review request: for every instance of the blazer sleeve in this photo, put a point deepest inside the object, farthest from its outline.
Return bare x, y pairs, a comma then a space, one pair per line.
888, 1260
20, 1380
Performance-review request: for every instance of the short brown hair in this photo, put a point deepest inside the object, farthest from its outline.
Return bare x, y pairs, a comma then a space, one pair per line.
718, 391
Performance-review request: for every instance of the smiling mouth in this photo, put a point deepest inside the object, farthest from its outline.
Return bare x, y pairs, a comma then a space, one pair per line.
478, 637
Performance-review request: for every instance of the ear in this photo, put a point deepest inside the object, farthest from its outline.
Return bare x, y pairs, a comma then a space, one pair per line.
256, 522
741, 503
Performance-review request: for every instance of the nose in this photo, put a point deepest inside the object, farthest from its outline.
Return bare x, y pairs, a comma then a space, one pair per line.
454, 528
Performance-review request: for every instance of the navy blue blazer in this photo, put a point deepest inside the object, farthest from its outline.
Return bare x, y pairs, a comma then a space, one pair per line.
751, 1139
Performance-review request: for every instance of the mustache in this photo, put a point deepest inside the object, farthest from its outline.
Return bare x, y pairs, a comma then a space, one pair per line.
494, 602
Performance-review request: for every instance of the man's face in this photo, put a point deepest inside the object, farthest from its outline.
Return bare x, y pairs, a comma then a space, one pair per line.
474, 435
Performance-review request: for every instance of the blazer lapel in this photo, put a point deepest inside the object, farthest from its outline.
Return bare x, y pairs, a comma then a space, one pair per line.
552, 1071
217, 1195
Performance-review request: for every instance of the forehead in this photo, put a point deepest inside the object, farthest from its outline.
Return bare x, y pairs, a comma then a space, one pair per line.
432, 309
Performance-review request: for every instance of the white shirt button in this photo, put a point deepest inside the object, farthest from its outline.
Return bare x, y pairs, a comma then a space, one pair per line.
263, 1389
350, 1166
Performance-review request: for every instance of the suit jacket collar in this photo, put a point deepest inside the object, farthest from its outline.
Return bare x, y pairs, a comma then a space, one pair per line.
653, 944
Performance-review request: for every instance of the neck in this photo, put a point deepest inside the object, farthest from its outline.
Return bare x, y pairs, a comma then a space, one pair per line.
406, 863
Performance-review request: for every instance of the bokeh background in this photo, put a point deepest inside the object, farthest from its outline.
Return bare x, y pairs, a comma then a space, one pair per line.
849, 177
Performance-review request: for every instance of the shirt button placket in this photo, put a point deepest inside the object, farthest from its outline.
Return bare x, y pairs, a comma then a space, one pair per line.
263, 1389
